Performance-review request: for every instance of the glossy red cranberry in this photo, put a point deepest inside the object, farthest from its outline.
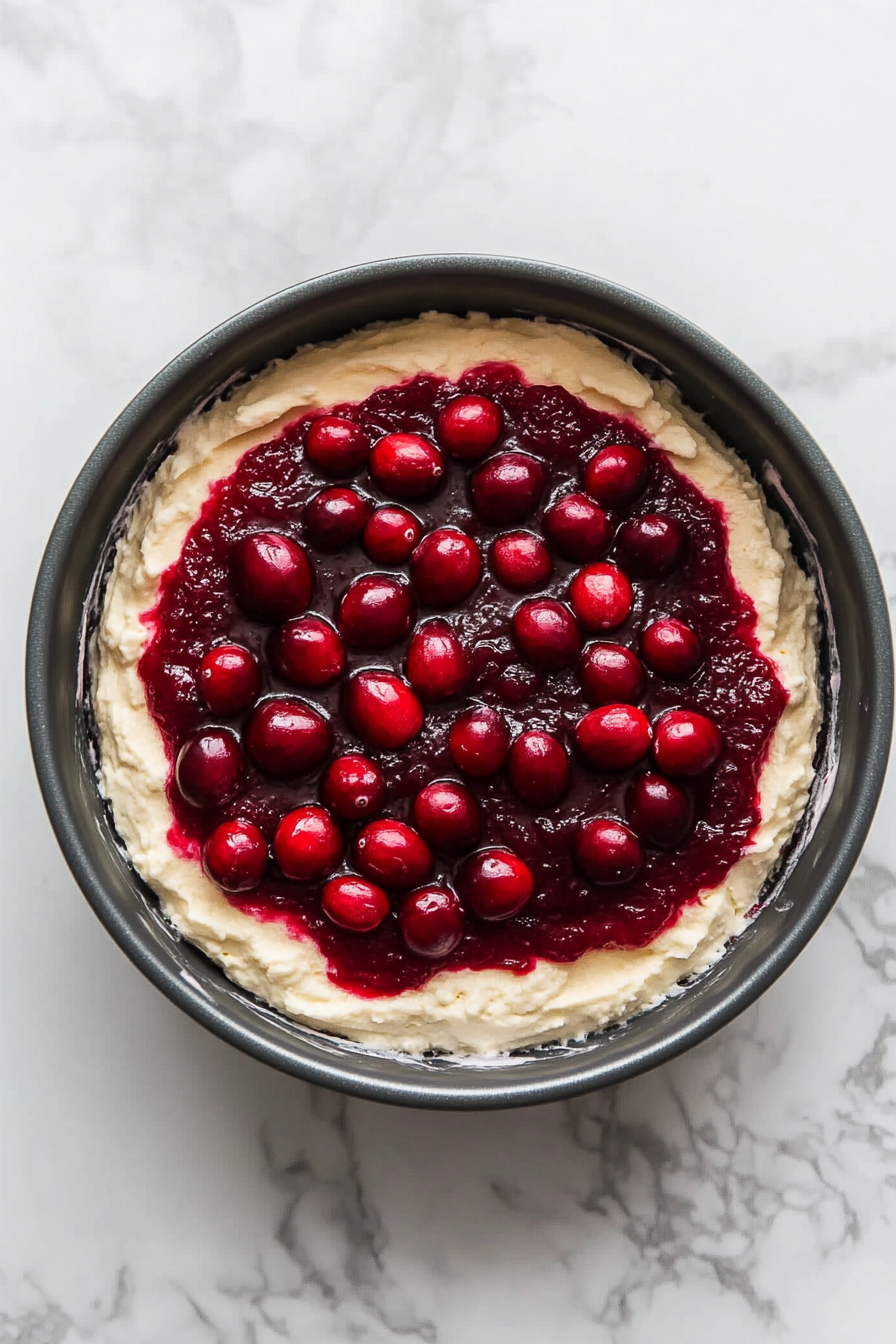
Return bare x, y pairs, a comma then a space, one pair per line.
284, 737
235, 856
496, 884
611, 674
394, 854
546, 633
337, 446
308, 652
479, 741
671, 648
355, 904
391, 534
448, 816
382, 709
229, 678
431, 922
613, 737
445, 567
335, 518
686, 743
468, 427
651, 546
354, 787
617, 475
209, 767
601, 596
521, 561
507, 488
577, 528
658, 810
407, 466
436, 662
538, 768
308, 844
607, 851
375, 611
272, 576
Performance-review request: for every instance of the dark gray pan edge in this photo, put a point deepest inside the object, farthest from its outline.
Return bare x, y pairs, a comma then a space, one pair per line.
827, 534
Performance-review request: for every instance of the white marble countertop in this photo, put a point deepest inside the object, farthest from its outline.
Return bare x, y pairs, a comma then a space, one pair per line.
166, 164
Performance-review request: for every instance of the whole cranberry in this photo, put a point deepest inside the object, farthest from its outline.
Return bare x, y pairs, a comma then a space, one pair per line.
546, 633
335, 518
445, 567
436, 662
272, 576
337, 446
355, 904
538, 768
577, 528
308, 844
308, 652
394, 854
391, 534
496, 884
507, 488
671, 648
209, 767
229, 678
617, 475
284, 737
448, 816
468, 427
479, 741
607, 851
407, 466
521, 561
601, 596
431, 922
651, 546
613, 737
686, 743
354, 787
382, 709
375, 611
658, 810
611, 674
235, 856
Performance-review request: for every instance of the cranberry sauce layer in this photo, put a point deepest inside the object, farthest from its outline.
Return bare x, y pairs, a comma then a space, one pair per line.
460, 677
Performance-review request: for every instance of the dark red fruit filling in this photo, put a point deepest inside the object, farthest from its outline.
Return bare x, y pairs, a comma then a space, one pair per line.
407, 835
